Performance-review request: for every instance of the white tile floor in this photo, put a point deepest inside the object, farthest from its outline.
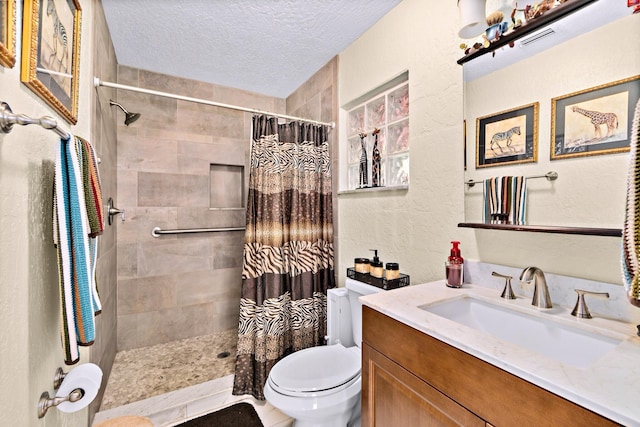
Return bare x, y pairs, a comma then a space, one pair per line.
175, 407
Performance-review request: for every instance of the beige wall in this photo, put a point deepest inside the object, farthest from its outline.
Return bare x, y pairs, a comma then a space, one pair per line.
414, 228
411, 227
29, 313
590, 191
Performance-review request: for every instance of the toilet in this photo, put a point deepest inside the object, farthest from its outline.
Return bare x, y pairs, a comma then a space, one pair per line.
320, 386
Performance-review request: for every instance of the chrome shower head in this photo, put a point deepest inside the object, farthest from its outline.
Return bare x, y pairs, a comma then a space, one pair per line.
128, 117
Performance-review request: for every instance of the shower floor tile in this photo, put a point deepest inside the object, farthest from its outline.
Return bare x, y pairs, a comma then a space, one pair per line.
141, 373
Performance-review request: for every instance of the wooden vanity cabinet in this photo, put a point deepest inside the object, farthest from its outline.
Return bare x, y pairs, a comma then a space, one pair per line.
412, 379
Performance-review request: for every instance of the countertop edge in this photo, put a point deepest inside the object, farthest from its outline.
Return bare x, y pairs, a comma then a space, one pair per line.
392, 304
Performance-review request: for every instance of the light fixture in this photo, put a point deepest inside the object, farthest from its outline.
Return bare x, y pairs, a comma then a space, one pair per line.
473, 18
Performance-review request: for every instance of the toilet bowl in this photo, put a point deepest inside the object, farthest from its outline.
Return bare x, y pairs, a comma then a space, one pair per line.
321, 386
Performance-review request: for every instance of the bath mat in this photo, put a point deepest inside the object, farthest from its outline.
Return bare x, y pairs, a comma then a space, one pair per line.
238, 415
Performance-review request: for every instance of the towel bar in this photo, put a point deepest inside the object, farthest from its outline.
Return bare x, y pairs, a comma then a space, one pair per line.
8, 119
157, 231
551, 176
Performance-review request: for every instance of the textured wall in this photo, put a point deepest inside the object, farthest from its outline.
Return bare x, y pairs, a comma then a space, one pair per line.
411, 227
178, 286
414, 228
30, 348
590, 191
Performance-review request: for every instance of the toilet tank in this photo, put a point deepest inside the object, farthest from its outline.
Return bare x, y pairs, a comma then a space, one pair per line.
356, 290
339, 317
344, 310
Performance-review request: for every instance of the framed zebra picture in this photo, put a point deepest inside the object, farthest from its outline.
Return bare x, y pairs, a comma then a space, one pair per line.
594, 121
7, 33
51, 53
508, 137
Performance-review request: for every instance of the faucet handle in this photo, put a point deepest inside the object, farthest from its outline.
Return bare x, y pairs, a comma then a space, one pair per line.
507, 292
580, 310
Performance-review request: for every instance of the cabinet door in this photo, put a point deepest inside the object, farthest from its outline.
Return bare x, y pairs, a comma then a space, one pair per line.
393, 396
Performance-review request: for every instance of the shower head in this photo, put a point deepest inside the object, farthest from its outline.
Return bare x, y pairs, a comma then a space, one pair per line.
128, 117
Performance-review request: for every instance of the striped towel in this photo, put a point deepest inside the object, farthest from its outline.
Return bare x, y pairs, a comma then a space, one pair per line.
631, 229
77, 198
505, 200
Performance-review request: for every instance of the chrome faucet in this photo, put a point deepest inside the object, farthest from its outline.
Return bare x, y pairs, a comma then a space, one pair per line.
581, 310
541, 296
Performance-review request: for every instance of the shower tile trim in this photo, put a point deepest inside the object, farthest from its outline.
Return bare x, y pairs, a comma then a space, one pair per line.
176, 407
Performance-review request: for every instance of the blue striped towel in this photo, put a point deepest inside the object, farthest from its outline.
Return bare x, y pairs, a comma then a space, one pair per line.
76, 251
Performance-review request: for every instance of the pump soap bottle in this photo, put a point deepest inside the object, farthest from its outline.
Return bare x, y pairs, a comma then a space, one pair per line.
454, 267
376, 265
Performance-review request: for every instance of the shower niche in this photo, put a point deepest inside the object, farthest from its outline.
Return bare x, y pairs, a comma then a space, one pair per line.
226, 187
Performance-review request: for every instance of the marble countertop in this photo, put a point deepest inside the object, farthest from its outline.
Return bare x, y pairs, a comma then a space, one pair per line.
610, 386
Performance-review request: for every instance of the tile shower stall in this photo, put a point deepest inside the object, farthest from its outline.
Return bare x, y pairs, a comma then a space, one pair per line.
184, 165
181, 165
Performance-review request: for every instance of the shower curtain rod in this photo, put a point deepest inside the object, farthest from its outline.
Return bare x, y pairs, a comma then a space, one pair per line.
97, 82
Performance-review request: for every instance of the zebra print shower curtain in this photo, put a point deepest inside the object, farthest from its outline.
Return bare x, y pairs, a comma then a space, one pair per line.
288, 250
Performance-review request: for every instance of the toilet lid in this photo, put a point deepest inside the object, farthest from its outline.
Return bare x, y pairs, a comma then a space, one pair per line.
316, 369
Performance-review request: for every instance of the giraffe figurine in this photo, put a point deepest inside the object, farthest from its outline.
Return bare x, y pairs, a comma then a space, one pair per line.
376, 170
363, 171
598, 119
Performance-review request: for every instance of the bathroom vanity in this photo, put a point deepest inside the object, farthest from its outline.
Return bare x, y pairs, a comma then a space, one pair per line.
420, 368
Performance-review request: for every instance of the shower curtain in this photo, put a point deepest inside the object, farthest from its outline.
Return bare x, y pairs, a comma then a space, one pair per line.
288, 250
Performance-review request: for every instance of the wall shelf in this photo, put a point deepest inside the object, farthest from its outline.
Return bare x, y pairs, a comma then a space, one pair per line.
529, 27
585, 231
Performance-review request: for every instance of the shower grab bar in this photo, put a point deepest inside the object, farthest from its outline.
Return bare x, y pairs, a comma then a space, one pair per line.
157, 231
8, 119
551, 176
97, 82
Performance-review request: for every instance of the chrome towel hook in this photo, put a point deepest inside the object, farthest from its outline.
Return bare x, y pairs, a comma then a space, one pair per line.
112, 210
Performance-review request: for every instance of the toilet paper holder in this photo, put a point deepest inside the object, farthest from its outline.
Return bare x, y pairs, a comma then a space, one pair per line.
47, 402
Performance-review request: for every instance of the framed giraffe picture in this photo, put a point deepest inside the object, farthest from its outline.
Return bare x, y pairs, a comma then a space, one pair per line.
508, 137
594, 121
51, 53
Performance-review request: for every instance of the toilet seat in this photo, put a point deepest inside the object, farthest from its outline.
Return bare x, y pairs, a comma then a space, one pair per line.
316, 371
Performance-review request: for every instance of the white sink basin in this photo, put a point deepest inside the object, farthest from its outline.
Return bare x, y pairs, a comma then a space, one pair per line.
568, 345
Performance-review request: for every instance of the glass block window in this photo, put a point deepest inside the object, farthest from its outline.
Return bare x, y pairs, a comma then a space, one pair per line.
387, 111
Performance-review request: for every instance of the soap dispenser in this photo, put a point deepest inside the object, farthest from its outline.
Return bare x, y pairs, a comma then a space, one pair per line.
376, 265
454, 267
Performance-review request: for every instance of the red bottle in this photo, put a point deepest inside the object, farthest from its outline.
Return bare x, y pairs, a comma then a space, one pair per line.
454, 267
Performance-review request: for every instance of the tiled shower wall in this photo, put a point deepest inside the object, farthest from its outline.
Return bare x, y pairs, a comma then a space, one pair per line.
179, 286
103, 138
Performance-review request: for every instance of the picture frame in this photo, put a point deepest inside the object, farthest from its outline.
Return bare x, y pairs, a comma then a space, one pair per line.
464, 143
7, 33
594, 121
508, 137
51, 53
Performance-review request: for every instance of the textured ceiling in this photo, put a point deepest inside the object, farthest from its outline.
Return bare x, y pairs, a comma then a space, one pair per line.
265, 46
